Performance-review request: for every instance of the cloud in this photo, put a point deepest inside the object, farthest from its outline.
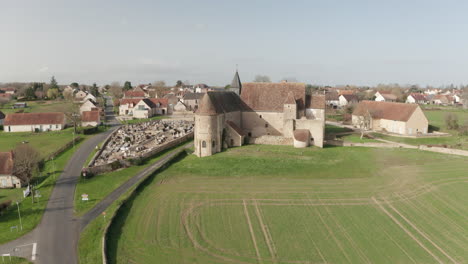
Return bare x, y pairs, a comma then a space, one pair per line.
44, 69
124, 21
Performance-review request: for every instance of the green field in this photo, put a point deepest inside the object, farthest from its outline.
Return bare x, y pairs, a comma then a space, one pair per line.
276, 204
37, 107
45, 143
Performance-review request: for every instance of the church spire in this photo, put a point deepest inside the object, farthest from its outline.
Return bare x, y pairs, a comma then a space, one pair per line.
236, 85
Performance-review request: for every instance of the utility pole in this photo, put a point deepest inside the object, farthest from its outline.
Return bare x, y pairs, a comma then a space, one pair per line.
19, 215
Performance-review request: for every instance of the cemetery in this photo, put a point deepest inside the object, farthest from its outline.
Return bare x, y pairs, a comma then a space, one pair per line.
141, 140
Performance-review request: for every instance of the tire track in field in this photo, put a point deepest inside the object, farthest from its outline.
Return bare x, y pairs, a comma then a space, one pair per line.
252, 234
266, 234
406, 230
423, 209
398, 245
330, 231
422, 233
347, 236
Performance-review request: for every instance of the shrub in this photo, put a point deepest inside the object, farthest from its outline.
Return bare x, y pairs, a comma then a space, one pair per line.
451, 121
4, 205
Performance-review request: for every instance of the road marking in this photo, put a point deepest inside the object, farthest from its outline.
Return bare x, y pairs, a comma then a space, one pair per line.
33, 257
406, 230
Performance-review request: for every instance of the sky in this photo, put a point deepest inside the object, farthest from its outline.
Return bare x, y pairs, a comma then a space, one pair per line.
325, 42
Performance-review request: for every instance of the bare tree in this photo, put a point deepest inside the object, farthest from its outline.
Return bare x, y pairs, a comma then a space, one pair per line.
68, 95
4, 101
262, 78
26, 162
159, 87
364, 122
72, 112
116, 90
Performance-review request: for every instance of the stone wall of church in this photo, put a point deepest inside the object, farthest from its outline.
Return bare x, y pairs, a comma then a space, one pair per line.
256, 124
206, 135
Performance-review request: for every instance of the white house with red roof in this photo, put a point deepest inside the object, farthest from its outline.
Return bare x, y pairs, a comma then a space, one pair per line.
34, 122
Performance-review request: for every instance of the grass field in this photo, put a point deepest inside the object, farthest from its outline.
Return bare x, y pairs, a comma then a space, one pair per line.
38, 107
45, 142
276, 204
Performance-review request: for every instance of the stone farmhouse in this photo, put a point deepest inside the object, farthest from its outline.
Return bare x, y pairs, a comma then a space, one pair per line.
32, 122
126, 106
7, 179
398, 118
346, 99
383, 96
264, 113
150, 107
88, 105
416, 98
90, 118
192, 100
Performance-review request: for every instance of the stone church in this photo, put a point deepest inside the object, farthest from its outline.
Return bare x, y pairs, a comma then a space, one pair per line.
259, 113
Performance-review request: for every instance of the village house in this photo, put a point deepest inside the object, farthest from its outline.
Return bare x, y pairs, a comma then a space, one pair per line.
9, 90
385, 96
88, 105
192, 100
171, 98
332, 99
7, 179
264, 113
457, 98
201, 88
398, 118
134, 94
90, 118
126, 106
89, 96
416, 98
441, 99
34, 122
181, 108
346, 99
150, 107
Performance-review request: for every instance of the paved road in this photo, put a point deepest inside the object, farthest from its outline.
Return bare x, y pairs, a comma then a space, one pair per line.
57, 234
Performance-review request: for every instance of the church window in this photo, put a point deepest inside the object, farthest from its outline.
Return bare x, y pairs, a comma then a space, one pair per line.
250, 134
203, 144
260, 116
266, 125
213, 144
